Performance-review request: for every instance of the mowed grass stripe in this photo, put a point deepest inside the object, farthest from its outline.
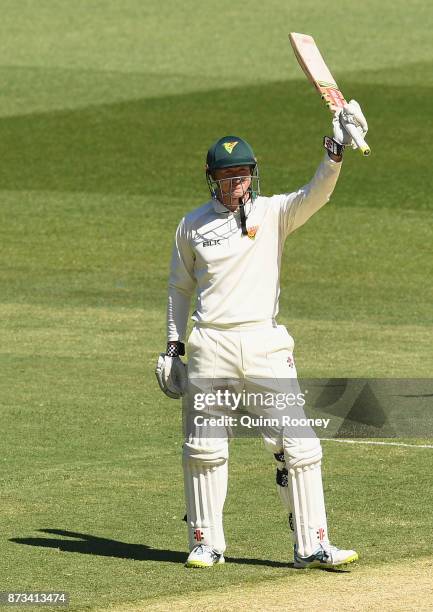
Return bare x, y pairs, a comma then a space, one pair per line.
37, 352
403, 586
237, 44
105, 294
158, 145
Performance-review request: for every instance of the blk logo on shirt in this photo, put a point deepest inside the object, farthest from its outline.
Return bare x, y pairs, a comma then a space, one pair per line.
211, 243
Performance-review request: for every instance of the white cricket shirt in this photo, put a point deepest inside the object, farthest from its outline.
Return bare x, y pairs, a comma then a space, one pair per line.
237, 277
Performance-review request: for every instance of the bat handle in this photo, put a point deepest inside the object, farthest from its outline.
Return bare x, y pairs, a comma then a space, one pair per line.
362, 145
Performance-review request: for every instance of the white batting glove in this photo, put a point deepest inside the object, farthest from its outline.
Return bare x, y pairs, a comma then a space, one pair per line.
350, 114
171, 374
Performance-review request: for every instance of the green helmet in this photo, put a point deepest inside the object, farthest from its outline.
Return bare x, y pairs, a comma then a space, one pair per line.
228, 152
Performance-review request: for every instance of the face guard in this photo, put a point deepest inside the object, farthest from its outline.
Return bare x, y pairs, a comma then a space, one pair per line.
251, 193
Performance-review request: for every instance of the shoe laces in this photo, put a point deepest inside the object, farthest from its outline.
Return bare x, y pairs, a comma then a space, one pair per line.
328, 549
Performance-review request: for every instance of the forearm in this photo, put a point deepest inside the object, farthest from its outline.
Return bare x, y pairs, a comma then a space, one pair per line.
177, 314
316, 193
181, 285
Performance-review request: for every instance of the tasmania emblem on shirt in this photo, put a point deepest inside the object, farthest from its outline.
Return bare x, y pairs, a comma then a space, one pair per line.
252, 231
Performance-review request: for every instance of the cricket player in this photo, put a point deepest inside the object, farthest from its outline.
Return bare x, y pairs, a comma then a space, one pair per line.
228, 252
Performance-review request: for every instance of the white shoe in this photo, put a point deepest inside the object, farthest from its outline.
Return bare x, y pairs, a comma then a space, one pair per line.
325, 556
204, 556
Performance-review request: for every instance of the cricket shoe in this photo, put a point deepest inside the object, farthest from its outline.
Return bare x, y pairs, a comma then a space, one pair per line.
204, 556
325, 556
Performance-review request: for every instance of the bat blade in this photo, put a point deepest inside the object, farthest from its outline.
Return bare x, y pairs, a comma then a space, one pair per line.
312, 63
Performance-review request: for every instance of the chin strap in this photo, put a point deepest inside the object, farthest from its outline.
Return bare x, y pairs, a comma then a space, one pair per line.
243, 218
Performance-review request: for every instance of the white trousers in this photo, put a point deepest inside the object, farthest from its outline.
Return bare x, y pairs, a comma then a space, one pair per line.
255, 358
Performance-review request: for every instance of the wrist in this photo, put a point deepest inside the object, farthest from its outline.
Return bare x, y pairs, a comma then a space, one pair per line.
175, 348
334, 148
336, 158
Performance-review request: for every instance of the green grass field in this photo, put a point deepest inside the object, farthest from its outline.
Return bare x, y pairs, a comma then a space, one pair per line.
106, 112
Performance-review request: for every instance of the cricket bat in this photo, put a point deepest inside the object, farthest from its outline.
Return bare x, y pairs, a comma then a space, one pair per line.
313, 64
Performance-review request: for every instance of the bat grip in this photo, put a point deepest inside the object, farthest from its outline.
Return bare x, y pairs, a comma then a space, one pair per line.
362, 145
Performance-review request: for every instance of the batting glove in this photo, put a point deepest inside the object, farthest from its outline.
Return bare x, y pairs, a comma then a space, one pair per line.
171, 373
350, 114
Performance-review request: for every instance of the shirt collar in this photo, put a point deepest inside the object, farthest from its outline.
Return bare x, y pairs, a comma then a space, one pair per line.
220, 208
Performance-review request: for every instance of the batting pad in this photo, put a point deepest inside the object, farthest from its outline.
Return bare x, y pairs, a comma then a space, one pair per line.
205, 493
308, 504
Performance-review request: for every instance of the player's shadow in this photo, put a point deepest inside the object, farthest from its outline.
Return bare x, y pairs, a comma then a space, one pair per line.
87, 544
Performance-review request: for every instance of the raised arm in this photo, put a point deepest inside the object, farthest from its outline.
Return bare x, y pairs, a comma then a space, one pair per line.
296, 208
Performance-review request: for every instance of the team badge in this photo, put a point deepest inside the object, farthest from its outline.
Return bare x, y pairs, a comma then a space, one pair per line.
198, 535
321, 534
252, 231
229, 146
